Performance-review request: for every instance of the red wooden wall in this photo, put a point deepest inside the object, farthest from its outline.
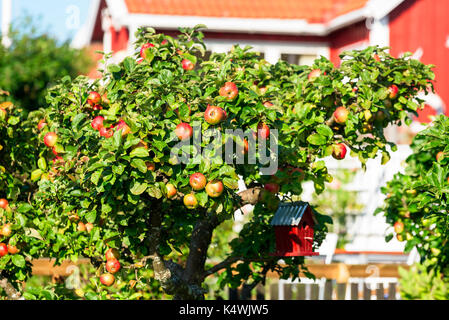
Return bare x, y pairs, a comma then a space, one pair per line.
424, 24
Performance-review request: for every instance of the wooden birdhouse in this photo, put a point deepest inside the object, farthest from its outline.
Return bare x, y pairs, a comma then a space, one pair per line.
294, 224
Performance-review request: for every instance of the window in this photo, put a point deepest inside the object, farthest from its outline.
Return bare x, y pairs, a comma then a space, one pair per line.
300, 59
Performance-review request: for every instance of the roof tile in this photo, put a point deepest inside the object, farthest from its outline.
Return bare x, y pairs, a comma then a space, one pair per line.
313, 11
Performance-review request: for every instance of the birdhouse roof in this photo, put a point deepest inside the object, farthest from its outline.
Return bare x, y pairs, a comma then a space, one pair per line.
291, 213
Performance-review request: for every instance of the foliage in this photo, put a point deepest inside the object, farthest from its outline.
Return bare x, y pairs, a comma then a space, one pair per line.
339, 203
34, 62
419, 197
106, 181
419, 283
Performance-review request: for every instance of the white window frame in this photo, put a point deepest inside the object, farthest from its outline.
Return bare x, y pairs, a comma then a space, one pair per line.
272, 49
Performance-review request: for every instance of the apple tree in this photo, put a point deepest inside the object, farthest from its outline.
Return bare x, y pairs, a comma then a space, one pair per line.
416, 201
139, 175
18, 153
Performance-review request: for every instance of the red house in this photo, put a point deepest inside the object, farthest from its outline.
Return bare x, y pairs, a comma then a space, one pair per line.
294, 224
297, 31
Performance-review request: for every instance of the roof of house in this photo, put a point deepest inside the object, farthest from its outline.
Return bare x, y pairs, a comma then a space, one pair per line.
290, 213
312, 11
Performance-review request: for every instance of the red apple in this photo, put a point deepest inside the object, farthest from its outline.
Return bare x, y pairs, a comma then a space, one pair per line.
214, 188
190, 201
53, 150
41, 124
197, 181
171, 190
6, 230
12, 249
93, 98
145, 47
107, 133
81, 226
393, 91
112, 254
3, 250
339, 151
187, 64
272, 187
229, 90
245, 146
104, 98
150, 166
97, 107
341, 115
291, 170
139, 61
50, 139
267, 104
121, 125
214, 115
263, 131
107, 279
439, 156
113, 266
97, 123
376, 57
57, 159
4, 203
184, 131
89, 226
398, 227
315, 73
164, 42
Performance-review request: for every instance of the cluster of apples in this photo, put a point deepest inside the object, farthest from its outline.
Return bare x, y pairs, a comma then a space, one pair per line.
112, 267
85, 226
6, 232
185, 63
94, 99
198, 182
340, 114
50, 140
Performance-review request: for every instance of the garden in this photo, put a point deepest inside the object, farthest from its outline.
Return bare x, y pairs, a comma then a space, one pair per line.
137, 173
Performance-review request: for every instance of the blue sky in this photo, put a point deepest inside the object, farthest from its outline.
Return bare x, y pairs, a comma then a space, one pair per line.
61, 18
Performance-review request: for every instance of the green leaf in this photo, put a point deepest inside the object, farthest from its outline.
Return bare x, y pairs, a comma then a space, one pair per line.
24, 207
324, 130
96, 177
140, 165
138, 188
42, 164
36, 175
129, 63
139, 152
230, 183
117, 138
316, 139
154, 191
113, 68
91, 216
18, 260
77, 120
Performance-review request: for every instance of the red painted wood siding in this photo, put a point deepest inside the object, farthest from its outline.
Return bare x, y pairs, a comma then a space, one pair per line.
424, 24
119, 39
349, 36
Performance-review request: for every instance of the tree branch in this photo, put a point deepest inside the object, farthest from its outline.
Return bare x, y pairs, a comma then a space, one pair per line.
199, 243
250, 196
10, 291
233, 259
